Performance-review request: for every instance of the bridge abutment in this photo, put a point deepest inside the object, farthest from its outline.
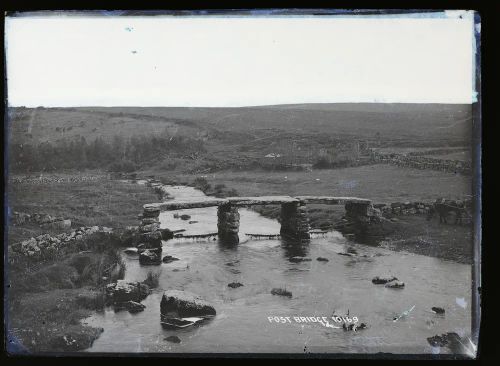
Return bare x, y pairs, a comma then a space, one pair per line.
228, 223
150, 246
294, 220
356, 211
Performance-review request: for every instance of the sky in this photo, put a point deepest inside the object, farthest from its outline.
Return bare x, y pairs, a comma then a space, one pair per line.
210, 61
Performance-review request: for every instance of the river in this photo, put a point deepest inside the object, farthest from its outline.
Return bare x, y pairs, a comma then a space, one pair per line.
342, 284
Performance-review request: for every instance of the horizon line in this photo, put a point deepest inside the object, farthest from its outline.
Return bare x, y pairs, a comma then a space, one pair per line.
242, 106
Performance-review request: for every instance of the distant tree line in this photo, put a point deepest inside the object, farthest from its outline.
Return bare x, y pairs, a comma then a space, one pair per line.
117, 154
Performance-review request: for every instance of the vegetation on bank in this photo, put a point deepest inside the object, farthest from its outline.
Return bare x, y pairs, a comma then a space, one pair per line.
47, 299
119, 154
102, 202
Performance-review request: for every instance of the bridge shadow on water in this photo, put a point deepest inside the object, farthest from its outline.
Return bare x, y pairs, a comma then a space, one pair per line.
293, 247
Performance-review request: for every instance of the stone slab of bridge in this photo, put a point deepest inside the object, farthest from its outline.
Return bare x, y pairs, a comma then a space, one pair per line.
294, 219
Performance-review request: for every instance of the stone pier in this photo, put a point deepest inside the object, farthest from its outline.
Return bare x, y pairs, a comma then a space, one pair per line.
150, 246
228, 223
294, 220
357, 211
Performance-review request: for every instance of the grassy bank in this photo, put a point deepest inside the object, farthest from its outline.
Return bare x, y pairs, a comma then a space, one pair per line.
380, 183
102, 202
48, 299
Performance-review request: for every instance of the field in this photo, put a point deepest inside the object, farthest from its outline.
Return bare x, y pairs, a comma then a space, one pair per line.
426, 124
212, 139
380, 183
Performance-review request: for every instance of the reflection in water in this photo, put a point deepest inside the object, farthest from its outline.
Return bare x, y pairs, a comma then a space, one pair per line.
295, 247
318, 288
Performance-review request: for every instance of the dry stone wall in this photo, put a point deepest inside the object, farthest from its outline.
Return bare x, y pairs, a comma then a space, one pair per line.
422, 162
45, 245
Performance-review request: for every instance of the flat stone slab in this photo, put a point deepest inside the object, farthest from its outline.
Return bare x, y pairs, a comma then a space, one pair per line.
328, 200
250, 201
262, 200
180, 205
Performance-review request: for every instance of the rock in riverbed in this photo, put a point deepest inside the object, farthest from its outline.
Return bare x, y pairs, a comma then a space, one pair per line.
235, 285
299, 259
321, 259
446, 339
353, 326
380, 280
169, 258
185, 217
150, 257
281, 292
395, 284
437, 310
132, 306
184, 304
173, 339
123, 291
346, 254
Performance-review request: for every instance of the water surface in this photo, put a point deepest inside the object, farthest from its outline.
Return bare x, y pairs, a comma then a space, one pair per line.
342, 284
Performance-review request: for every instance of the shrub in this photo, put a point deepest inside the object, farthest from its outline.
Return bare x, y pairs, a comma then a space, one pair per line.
201, 184
122, 166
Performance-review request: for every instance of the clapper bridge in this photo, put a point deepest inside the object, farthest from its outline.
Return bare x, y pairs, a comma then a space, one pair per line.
294, 219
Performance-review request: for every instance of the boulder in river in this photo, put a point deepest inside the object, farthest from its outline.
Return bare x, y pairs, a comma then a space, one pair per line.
150, 257
166, 234
169, 258
184, 304
354, 326
281, 292
298, 259
235, 285
346, 254
185, 217
122, 291
131, 250
173, 339
152, 239
395, 284
132, 306
437, 310
322, 259
381, 280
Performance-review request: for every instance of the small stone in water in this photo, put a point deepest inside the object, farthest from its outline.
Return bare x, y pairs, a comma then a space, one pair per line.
173, 339
298, 259
169, 258
235, 285
281, 292
437, 310
322, 259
